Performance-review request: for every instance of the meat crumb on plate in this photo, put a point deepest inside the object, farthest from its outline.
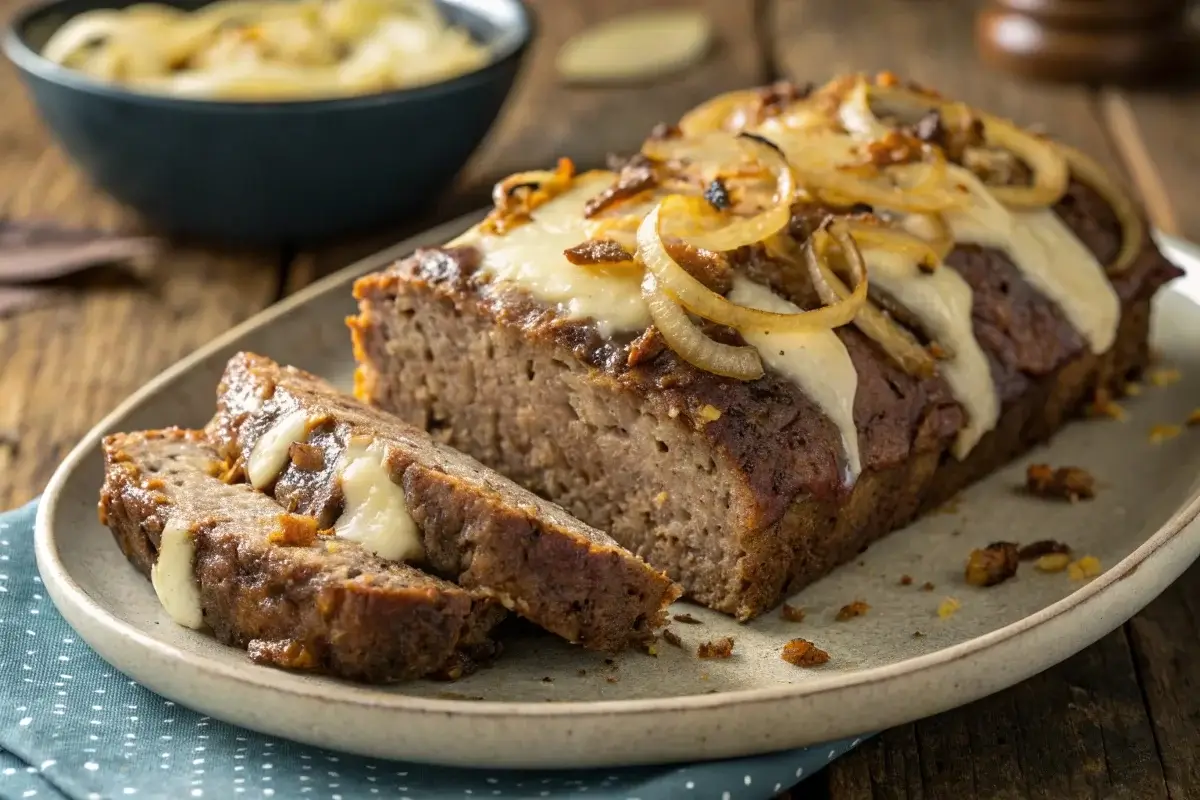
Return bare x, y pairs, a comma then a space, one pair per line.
791, 613
851, 610
717, 648
1042, 547
1065, 483
803, 653
992, 565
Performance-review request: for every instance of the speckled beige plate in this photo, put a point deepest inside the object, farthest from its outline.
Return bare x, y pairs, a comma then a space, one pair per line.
546, 704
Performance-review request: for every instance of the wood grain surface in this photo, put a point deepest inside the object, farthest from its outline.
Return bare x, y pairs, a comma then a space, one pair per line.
1119, 720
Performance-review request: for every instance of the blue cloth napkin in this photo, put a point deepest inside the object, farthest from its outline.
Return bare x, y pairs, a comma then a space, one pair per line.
73, 727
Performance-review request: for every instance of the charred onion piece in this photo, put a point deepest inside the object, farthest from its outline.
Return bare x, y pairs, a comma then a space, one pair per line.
550, 182
1049, 167
912, 188
1133, 230
698, 299
690, 343
750, 230
897, 342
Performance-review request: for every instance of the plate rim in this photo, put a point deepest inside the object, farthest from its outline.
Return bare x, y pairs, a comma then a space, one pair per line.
73, 601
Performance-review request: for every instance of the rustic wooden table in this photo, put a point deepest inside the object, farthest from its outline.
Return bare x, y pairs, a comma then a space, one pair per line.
1121, 719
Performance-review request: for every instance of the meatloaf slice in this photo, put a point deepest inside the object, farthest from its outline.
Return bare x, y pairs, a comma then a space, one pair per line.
733, 488
264, 580
473, 526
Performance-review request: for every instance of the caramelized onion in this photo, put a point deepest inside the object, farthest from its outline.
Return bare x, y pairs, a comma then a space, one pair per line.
856, 115
550, 181
933, 229
702, 301
897, 342
725, 112
886, 238
690, 343
1133, 230
1050, 173
749, 230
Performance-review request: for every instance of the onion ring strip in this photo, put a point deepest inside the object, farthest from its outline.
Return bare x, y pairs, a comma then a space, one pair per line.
702, 301
897, 342
690, 344
1133, 229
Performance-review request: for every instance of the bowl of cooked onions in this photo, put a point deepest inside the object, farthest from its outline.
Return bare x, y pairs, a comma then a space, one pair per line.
269, 121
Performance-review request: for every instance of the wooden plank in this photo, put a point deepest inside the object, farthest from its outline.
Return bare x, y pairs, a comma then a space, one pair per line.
545, 119
929, 42
1166, 647
62, 367
1153, 134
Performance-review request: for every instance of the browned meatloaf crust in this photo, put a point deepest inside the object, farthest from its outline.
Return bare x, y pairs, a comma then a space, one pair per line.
478, 528
732, 488
327, 606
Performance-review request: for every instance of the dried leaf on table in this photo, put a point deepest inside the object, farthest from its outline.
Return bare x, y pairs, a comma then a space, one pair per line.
33, 253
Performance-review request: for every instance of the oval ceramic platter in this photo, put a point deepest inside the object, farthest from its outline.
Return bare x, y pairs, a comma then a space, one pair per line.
547, 704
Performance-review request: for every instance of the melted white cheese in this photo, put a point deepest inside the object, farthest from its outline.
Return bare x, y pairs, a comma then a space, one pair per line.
530, 256
375, 512
1048, 255
173, 575
941, 300
269, 455
815, 361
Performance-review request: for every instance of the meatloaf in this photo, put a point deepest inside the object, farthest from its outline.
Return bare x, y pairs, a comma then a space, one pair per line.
737, 488
464, 521
230, 558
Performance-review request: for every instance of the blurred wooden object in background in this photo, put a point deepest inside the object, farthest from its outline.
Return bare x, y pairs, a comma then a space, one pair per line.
1110, 41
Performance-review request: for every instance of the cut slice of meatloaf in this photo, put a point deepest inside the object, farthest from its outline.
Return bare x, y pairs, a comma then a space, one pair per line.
731, 487
230, 558
459, 518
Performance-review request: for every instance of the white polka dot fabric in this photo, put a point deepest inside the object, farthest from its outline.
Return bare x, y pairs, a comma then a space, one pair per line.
73, 727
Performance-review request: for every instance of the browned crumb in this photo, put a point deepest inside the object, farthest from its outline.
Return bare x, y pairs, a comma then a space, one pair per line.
948, 607
611, 678
1042, 547
1194, 417
1164, 376
672, 638
917, 634
1085, 568
927, 586
687, 619
717, 648
1066, 483
1053, 562
608, 662
803, 653
992, 565
1104, 406
582, 672
1163, 432
852, 610
906, 580
295, 530
307, 457
791, 613
547, 679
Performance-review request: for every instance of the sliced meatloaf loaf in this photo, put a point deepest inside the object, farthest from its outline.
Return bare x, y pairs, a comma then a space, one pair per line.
511, 346
375, 479
230, 558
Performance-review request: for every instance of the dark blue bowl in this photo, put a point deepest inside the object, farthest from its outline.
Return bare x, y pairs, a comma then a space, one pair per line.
271, 172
